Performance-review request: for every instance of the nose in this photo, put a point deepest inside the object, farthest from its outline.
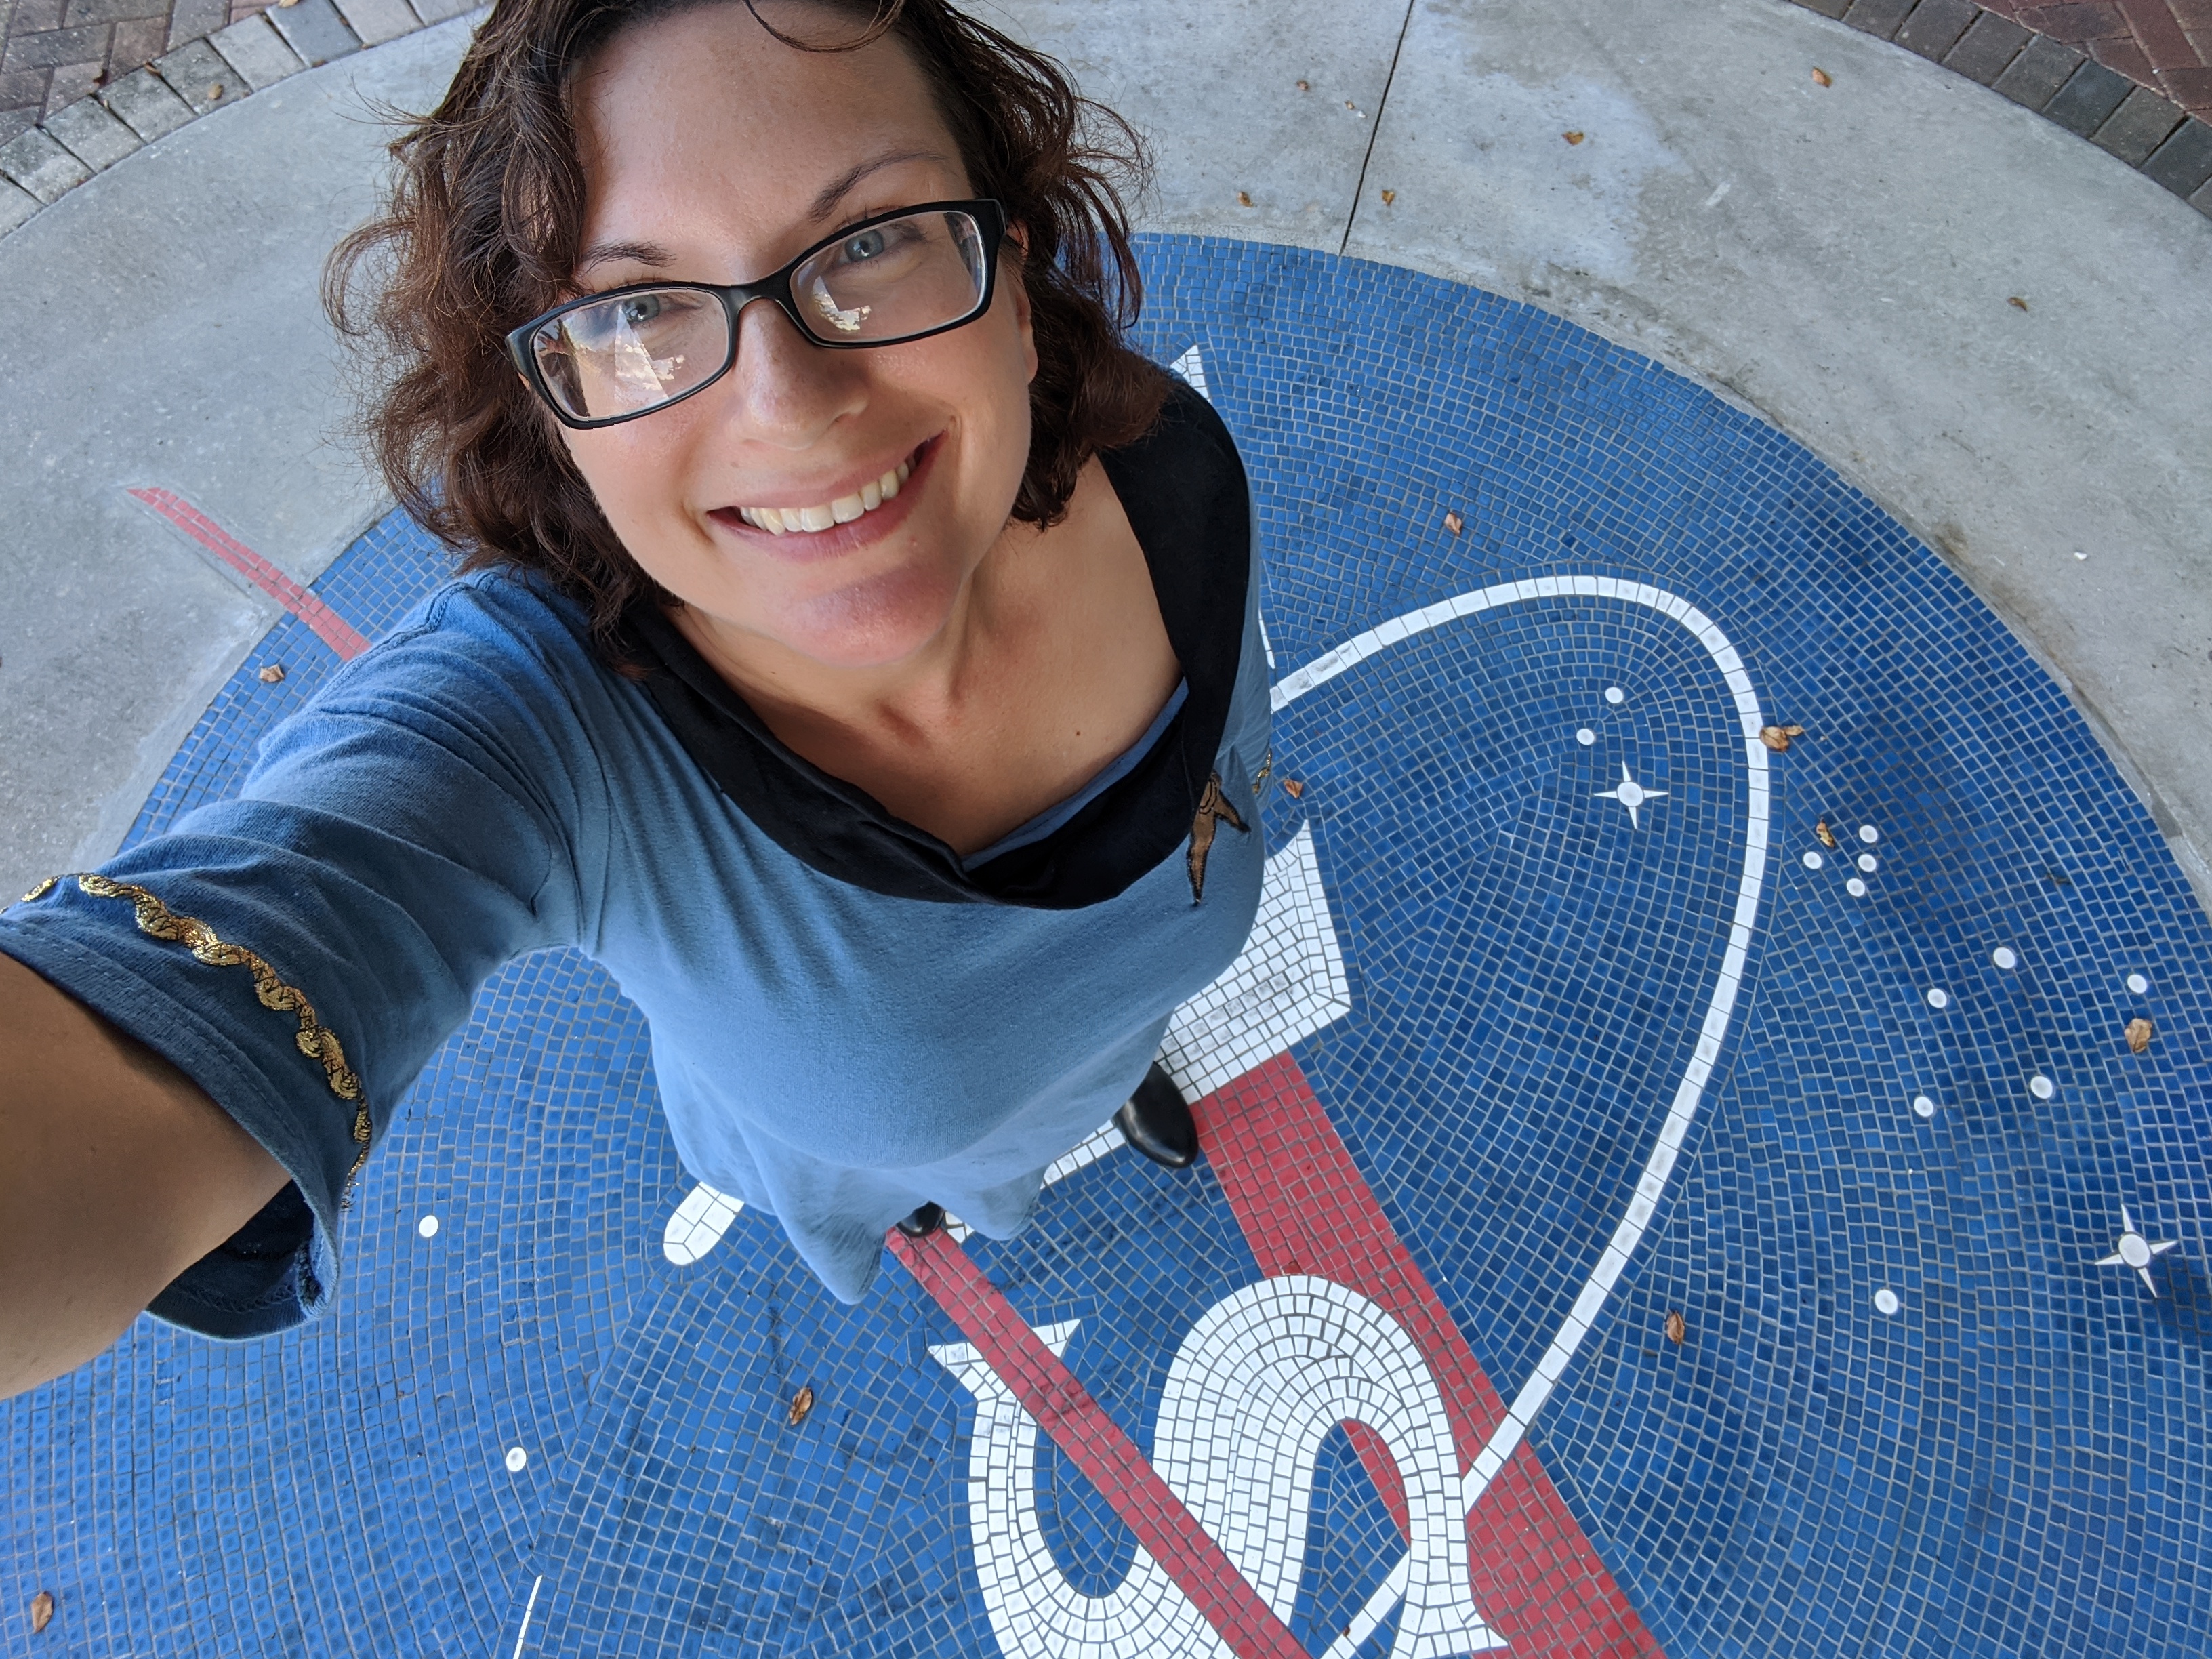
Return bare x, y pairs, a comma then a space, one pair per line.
784, 390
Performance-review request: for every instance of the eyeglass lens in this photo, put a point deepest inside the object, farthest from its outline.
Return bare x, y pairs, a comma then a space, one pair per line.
887, 282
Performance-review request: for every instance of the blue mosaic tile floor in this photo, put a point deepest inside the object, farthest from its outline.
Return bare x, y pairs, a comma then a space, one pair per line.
1864, 1386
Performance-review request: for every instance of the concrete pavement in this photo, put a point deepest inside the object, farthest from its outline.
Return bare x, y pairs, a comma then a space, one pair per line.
1840, 258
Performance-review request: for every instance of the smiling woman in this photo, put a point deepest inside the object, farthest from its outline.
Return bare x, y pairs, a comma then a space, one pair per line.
858, 656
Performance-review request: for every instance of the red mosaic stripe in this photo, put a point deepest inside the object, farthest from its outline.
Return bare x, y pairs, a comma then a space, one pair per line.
331, 628
1304, 1208
1094, 1443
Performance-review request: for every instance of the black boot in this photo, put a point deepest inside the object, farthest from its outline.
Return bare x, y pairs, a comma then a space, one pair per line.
923, 1222
1157, 1121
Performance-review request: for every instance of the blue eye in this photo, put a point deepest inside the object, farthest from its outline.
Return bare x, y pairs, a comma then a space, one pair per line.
640, 308
860, 249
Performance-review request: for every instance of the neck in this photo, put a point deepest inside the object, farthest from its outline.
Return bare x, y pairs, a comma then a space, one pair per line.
921, 693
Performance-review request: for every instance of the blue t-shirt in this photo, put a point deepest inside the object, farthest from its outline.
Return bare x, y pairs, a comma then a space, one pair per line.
480, 784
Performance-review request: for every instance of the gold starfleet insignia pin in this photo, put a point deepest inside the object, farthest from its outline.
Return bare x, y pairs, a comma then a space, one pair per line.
1213, 809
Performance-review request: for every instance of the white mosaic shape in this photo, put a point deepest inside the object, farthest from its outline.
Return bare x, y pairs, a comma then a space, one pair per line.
698, 1225
1287, 984
1256, 1387
2135, 1251
1192, 368
1630, 794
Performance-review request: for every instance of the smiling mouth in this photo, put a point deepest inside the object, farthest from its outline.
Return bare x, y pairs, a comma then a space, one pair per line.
809, 521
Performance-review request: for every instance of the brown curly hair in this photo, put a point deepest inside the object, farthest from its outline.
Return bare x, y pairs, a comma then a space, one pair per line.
480, 232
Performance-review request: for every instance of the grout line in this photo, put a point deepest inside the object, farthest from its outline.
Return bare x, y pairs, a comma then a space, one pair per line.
1374, 129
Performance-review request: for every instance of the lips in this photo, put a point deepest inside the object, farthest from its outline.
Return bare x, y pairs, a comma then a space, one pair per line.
825, 529
806, 521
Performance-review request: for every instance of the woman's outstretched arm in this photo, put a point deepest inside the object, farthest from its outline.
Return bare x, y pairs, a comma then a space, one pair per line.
116, 1174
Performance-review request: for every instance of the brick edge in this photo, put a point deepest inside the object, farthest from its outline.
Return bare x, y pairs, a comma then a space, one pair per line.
2134, 125
42, 165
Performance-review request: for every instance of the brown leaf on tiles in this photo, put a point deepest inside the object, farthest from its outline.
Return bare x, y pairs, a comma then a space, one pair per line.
42, 1611
1293, 788
214, 91
1243, 198
1572, 137
1777, 738
271, 673
1389, 196
2017, 303
1678, 1329
1305, 86
1454, 523
802, 1406
2138, 1035
1827, 835
1821, 78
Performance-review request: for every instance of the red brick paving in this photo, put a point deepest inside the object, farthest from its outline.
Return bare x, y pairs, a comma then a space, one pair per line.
2164, 45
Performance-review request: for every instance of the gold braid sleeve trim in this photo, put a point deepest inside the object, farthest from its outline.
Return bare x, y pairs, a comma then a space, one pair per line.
315, 1040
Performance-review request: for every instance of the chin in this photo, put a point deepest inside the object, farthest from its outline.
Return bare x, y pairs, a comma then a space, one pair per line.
874, 623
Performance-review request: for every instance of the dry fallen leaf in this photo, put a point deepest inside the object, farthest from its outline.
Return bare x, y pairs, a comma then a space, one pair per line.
271, 673
42, 1611
802, 1404
214, 91
2017, 303
1389, 196
286, 5
1777, 738
1827, 835
1305, 86
1293, 788
1243, 198
1454, 523
1572, 137
1821, 78
1678, 1328
2138, 1035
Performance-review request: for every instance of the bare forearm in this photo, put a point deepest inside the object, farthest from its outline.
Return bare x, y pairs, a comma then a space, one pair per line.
116, 1174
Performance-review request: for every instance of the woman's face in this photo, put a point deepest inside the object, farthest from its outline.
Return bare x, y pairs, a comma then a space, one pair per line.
713, 154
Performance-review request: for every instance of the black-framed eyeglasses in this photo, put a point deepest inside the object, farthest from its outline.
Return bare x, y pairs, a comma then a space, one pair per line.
901, 275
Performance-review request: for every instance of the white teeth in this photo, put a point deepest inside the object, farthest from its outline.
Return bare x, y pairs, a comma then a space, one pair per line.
782, 520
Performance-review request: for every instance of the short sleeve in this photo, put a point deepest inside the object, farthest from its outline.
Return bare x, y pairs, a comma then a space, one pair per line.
299, 951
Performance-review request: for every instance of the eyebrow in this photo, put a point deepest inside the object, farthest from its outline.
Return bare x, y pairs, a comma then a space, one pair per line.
839, 188
643, 253
824, 205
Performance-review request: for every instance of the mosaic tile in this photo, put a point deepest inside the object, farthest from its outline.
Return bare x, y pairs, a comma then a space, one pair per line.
1606, 1244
